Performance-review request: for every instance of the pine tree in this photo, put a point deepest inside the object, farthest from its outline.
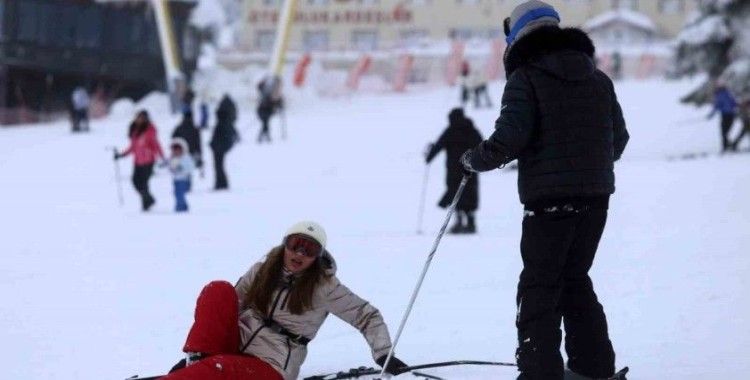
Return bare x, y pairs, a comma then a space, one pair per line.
716, 42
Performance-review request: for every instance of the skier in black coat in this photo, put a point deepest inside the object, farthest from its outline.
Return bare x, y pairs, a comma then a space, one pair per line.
223, 139
560, 118
187, 130
456, 139
271, 101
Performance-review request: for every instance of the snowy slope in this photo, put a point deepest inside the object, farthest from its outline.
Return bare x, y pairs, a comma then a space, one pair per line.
95, 291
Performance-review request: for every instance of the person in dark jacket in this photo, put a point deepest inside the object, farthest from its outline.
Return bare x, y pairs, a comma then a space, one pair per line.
456, 139
187, 131
726, 105
269, 90
224, 137
561, 120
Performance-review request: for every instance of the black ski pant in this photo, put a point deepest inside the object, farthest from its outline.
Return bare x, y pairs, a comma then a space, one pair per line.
727, 119
558, 248
141, 175
221, 175
265, 131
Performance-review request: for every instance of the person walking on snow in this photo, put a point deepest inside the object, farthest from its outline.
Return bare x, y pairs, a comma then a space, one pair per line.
80, 115
188, 132
456, 139
260, 327
181, 165
223, 139
144, 145
726, 105
561, 120
269, 90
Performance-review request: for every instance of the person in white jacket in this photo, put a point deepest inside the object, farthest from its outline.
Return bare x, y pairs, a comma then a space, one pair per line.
181, 165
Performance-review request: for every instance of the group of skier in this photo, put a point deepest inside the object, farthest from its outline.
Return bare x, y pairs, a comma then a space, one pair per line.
185, 151
560, 119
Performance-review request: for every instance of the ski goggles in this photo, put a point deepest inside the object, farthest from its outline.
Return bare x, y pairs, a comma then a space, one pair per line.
304, 245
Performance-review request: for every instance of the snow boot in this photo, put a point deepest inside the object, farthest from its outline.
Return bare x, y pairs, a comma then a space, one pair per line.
570, 375
470, 228
458, 227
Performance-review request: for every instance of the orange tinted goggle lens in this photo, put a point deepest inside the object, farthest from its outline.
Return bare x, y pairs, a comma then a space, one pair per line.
304, 245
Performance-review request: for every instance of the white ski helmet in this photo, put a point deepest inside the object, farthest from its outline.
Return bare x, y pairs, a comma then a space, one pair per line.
310, 229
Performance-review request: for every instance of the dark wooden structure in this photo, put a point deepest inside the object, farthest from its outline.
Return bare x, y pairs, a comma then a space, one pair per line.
48, 47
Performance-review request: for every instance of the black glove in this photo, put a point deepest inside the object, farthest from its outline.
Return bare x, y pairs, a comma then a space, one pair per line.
465, 161
395, 366
117, 156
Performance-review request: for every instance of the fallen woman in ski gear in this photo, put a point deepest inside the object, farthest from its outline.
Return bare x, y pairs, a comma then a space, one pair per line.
260, 328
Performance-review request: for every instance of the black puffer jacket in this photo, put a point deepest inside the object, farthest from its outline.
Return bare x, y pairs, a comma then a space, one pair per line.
457, 139
560, 118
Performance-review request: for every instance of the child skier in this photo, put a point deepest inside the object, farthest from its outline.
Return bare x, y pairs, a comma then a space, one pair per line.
181, 165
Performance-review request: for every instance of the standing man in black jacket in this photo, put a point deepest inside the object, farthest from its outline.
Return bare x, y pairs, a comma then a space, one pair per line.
560, 118
459, 136
223, 139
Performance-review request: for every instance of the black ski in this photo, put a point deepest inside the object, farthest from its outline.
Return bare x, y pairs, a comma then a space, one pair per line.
366, 371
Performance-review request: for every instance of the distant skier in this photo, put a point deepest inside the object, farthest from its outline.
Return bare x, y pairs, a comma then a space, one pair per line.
271, 101
259, 329
80, 109
560, 118
223, 139
181, 165
187, 131
144, 145
726, 105
456, 139
478, 87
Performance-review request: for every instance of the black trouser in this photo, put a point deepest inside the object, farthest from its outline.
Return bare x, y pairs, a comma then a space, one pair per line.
727, 119
265, 133
558, 248
221, 175
745, 131
141, 175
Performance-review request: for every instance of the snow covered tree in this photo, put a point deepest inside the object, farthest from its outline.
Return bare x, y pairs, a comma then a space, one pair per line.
716, 41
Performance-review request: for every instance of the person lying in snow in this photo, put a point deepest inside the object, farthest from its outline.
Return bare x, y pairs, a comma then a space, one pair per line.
260, 327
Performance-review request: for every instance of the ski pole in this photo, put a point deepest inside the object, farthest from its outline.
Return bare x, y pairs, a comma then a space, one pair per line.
283, 124
451, 209
420, 214
117, 180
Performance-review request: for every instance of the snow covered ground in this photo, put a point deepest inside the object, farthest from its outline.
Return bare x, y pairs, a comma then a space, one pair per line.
92, 290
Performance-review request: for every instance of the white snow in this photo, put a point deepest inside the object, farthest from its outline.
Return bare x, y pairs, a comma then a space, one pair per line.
624, 15
92, 290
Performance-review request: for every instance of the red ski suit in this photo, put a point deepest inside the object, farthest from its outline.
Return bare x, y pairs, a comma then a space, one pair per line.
216, 332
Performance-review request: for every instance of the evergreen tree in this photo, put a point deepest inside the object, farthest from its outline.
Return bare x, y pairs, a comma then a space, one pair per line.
716, 42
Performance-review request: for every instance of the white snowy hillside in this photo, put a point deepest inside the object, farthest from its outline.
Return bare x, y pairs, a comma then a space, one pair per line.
92, 290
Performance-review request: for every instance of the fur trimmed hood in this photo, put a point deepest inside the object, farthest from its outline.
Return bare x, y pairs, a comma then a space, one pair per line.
575, 58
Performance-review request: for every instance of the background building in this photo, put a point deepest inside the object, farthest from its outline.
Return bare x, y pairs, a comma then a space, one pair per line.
367, 25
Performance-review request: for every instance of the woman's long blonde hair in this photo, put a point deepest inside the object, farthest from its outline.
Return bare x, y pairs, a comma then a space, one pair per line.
269, 278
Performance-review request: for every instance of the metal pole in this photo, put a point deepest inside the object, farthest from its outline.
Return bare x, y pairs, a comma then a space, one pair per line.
420, 214
451, 209
117, 181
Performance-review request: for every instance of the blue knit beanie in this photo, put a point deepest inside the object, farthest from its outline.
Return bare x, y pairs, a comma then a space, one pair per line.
528, 16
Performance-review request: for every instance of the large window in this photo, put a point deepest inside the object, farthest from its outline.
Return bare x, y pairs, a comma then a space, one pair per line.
89, 24
2, 17
315, 40
27, 21
365, 40
264, 40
